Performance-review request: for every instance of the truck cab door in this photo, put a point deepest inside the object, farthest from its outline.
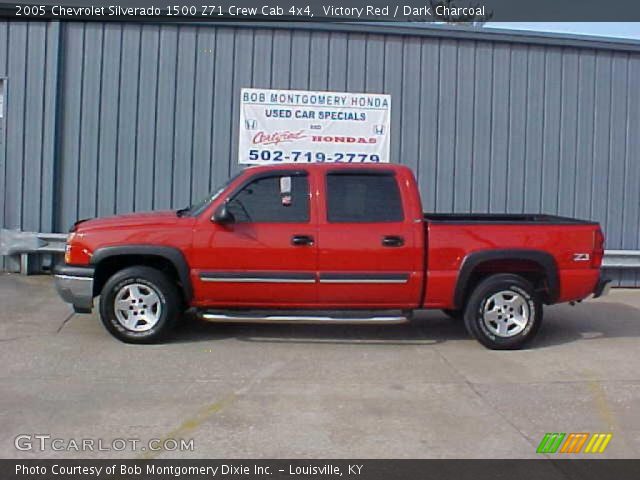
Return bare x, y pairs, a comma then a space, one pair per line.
370, 250
265, 253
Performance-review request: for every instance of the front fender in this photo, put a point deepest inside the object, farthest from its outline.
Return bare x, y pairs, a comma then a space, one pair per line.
171, 254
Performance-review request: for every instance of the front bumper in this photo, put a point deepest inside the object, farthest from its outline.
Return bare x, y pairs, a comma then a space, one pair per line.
602, 287
75, 286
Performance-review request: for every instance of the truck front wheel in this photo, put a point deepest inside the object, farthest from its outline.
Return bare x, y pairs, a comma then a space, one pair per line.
139, 305
503, 312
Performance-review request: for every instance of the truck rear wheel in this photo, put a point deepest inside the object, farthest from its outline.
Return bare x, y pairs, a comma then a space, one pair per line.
503, 312
139, 305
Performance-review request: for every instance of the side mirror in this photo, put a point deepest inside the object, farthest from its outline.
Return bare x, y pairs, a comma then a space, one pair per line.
222, 215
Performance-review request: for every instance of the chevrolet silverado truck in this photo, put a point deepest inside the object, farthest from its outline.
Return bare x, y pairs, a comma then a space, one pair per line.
328, 243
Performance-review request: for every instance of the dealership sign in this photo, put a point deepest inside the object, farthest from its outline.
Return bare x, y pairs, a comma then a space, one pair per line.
297, 126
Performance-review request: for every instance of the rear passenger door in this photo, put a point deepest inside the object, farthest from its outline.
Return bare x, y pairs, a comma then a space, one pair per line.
368, 256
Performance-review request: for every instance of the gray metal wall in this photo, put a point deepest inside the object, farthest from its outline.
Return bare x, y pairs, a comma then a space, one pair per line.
106, 118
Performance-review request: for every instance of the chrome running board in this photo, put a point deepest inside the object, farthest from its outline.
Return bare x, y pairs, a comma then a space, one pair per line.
229, 317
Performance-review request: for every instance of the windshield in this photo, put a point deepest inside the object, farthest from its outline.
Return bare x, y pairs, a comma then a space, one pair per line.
198, 207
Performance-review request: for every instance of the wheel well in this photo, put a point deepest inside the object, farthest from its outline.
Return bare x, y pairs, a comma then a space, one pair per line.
530, 270
111, 265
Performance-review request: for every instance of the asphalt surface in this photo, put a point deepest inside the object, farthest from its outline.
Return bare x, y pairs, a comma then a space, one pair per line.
420, 390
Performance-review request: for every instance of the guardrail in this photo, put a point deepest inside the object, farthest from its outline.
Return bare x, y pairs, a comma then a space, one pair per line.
15, 242
621, 259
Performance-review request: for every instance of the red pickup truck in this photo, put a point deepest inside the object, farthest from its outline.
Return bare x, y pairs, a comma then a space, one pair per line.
328, 243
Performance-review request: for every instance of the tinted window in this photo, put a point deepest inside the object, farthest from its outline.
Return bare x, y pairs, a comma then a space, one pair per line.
363, 198
272, 199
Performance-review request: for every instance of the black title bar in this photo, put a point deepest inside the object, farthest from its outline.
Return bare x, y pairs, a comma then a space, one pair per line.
547, 469
450, 11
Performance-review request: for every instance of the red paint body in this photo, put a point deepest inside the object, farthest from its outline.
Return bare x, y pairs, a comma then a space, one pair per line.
431, 256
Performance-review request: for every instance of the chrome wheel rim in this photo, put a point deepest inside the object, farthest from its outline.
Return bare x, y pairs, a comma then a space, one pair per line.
137, 307
506, 313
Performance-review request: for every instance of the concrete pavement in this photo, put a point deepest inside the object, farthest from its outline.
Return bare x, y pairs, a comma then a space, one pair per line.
421, 390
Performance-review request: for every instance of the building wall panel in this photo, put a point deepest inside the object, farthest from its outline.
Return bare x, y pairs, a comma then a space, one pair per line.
147, 110
164, 121
17, 61
533, 147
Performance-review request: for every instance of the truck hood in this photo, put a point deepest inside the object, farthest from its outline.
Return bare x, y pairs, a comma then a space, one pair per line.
151, 219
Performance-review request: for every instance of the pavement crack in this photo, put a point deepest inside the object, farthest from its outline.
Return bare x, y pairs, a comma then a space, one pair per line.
64, 322
13, 339
484, 400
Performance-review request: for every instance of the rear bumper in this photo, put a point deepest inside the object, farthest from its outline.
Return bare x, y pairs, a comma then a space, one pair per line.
602, 287
75, 286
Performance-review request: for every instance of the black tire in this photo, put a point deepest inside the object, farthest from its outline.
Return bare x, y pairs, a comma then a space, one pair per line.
454, 314
484, 313
166, 304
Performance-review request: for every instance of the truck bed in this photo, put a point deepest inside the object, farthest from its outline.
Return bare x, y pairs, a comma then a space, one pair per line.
452, 238
504, 218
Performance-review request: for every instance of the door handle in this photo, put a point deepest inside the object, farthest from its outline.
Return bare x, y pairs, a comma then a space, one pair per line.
301, 240
392, 241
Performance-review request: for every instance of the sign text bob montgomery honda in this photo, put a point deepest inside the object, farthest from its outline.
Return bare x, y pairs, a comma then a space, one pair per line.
295, 126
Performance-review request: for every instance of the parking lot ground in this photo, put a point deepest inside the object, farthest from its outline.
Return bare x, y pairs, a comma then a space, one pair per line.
418, 390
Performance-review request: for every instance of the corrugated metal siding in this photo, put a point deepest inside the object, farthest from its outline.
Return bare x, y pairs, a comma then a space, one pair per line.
28, 62
148, 118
